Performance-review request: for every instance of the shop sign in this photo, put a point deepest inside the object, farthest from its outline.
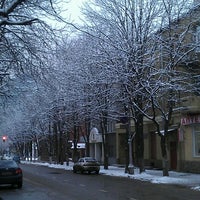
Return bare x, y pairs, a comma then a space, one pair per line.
193, 119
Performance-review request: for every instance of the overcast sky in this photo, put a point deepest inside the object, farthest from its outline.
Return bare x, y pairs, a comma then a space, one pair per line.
74, 9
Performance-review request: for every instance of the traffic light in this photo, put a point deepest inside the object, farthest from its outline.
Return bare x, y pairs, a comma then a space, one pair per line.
4, 138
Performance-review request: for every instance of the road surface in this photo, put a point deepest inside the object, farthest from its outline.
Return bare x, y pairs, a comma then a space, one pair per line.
43, 183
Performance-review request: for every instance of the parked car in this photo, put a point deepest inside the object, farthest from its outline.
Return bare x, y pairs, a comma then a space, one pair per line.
10, 173
86, 164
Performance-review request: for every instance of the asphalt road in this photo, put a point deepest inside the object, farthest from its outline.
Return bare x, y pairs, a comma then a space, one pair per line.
43, 183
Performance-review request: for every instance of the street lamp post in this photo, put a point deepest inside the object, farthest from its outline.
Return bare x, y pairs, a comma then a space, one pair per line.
130, 166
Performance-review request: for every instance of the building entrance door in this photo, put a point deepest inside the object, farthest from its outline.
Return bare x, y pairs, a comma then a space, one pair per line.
173, 155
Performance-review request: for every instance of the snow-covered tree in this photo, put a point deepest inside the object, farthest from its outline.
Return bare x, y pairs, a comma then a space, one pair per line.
26, 39
123, 29
128, 33
172, 73
25, 35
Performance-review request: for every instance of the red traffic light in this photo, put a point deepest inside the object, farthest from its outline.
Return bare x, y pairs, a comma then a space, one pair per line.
4, 138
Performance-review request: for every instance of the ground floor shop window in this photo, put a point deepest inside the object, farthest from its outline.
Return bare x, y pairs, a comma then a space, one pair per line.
197, 140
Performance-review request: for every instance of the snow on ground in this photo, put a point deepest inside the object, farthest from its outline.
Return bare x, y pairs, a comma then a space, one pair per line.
153, 176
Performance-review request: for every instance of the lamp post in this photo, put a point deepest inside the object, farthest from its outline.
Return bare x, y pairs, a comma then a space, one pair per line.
130, 166
130, 139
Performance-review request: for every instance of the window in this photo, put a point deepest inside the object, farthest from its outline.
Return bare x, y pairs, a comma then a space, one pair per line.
198, 38
197, 140
111, 127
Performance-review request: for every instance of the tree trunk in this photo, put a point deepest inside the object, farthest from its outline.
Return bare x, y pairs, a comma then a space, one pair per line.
56, 145
105, 141
139, 138
164, 156
87, 125
140, 149
105, 156
127, 147
75, 141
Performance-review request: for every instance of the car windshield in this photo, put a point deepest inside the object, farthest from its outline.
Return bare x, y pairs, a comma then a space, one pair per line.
90, 160
7, 163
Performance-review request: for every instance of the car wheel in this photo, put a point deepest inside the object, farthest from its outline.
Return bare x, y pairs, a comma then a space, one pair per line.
97, 172
74, 171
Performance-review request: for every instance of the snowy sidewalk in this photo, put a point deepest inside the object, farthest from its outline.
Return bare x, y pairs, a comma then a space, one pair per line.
153, 176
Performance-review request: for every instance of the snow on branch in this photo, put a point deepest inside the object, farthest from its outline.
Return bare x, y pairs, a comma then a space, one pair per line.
5, 11
25, 22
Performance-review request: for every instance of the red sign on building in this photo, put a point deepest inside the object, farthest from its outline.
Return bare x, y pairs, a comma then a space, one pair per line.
191, 119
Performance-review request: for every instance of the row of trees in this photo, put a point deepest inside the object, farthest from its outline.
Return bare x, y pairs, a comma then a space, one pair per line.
26, 38
127, 56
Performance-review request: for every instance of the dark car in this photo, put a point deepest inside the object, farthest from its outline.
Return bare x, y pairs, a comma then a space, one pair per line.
86, 164
10, 173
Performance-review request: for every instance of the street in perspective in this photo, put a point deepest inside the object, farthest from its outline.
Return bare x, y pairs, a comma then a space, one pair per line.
42, 181
100, 100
